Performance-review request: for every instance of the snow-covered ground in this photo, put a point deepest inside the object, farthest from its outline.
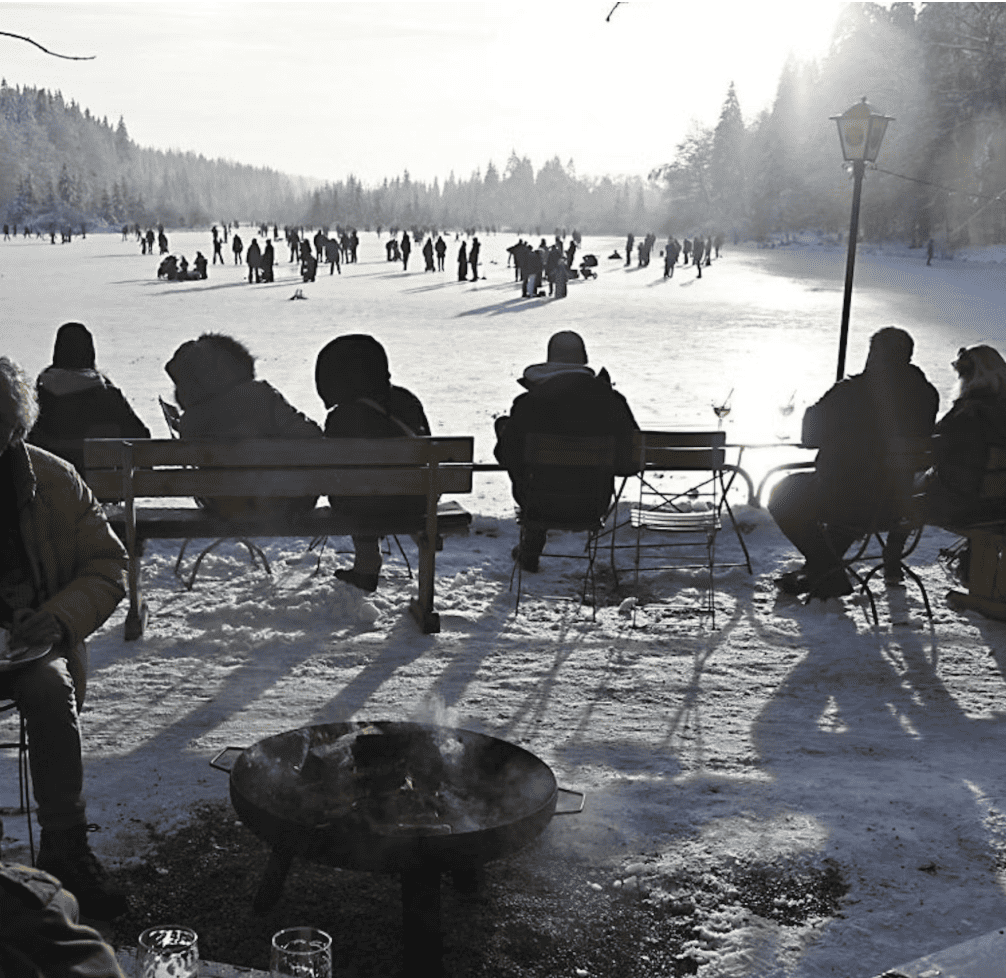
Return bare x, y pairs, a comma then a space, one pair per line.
787, 733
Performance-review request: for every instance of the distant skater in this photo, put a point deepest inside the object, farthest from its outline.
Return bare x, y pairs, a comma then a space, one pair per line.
473, 259
237, 246
929, 252
406, 250
441, 250
628, 248
428, 255
462, 263
697, 255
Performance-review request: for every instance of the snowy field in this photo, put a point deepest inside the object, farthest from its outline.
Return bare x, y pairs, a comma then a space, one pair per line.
787, 733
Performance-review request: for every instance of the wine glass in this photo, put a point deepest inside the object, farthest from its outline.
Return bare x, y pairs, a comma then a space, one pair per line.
722, 410
303, 952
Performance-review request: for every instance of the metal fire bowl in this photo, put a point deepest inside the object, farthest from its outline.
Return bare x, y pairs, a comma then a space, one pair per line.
296, 791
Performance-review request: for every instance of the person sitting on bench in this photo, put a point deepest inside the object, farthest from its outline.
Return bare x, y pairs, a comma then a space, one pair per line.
352, 378
76, 401
216, 389
823, 512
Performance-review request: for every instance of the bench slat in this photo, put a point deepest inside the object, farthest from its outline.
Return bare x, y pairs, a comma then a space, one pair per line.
101, 453
280, 483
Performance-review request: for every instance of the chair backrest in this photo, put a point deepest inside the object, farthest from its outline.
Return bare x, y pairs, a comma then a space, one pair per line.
679, 451
567, 479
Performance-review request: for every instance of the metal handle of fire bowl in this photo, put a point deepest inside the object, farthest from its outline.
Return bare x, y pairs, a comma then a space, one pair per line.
216, 758
571, 811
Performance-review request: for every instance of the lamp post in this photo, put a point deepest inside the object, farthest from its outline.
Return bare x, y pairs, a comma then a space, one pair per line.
860, 131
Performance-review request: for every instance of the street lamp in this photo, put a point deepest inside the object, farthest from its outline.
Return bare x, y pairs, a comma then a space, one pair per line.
860, 131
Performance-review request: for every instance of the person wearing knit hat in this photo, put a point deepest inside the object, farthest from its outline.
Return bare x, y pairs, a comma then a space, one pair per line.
564, 396
352, 377
76, 401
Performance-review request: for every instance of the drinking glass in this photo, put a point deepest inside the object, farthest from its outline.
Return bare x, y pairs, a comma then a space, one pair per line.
169, 951
304, 952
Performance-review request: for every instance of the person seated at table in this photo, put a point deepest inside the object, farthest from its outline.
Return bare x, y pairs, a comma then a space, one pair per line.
77, 401
220, 398
823, 512
62, 573
967, 433
352, 378
564, 397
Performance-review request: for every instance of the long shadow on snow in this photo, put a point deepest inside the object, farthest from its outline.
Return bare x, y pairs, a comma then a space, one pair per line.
508, 306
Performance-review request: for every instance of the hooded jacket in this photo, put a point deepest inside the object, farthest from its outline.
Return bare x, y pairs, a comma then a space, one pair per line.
352, 378
220, 401
79, 404
566, 399
78, 565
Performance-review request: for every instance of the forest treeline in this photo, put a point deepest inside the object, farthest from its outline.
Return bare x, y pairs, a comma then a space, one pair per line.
940, 71
61, 165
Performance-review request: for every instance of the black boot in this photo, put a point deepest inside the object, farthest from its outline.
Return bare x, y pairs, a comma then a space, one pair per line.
66, 855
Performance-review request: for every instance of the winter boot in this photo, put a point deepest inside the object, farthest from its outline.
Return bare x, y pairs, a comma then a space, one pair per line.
66, 855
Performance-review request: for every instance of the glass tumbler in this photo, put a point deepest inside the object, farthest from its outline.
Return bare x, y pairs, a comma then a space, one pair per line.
304, 952
169, 951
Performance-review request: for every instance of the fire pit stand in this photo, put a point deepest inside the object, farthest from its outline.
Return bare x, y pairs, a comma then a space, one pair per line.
373, 797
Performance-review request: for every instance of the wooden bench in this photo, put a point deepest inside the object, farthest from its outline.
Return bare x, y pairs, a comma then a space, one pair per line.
128, 471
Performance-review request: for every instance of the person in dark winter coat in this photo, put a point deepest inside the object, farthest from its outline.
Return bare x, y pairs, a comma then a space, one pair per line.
332, 255
967, 434
220, 398
564, 396
463, 263
200, 263
825, 511
76, 401
252, 257
406, 250
428, 255
237, 246
441, 250
266, 261
353, 380
473, 258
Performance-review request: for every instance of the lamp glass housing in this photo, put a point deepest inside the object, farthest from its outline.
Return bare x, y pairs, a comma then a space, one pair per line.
861, 131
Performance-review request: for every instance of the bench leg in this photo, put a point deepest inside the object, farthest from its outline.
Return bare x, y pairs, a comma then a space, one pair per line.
422, 608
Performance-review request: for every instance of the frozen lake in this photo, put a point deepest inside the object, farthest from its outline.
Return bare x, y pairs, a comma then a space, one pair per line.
762, 323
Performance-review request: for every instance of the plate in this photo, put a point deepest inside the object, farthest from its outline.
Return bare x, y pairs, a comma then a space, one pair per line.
30, 655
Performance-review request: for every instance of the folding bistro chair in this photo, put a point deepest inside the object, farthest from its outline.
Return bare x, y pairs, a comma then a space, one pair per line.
568, 486
687, 514
898, 521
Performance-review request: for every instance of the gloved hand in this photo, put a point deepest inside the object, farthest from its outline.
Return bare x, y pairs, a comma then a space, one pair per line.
33, 628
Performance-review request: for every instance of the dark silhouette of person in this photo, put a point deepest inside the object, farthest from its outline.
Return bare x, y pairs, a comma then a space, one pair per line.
929, 252
352, 378
570, 253
441, 250
629, 241
428, 255
697, 249
162, 241
564, 396
332, 250
473, 258
267, 260
252, 257
237, 246
406, 250
199, 263
463, 263
823, 512
77, 401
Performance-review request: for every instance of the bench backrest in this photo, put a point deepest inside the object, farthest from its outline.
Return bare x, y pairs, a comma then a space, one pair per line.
278, 467
679, 450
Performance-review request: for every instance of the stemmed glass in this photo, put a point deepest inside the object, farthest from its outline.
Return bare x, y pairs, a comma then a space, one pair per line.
303, 952
722, 410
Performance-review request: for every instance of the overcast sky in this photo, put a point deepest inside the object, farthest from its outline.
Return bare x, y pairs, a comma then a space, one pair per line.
329, 89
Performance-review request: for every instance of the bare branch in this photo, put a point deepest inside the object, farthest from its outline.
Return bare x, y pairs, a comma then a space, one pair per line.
69, 57
613, 9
